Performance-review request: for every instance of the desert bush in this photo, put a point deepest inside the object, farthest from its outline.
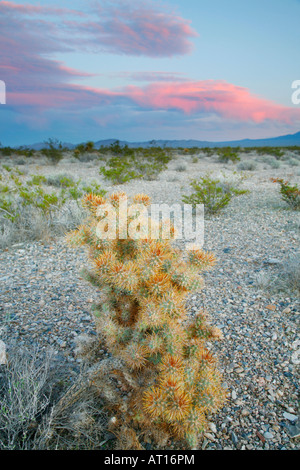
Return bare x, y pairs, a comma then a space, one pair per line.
273, 151
159, 380
293, 161
227, 154
53, 151
129, 164
181, 167
24, 396
29, 210
41, 409
215, 194
246, 165
289, 193
286, 278
86, 152
289, 278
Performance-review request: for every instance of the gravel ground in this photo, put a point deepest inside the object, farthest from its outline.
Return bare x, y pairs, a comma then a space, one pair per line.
44, 301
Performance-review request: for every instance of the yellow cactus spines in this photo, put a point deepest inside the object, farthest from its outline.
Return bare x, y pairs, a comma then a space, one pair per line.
142, 199
154, 402
116, 198
156, 350
135, 356
92, 202
202, 259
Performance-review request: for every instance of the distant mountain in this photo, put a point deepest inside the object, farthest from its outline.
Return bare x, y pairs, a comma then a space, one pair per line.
281, 141
285, 140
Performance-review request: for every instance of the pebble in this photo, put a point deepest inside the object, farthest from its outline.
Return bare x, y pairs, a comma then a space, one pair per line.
290, 416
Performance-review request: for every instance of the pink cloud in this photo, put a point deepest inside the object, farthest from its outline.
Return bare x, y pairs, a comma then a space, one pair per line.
35, 79
34, 9
136, 28
210, 96
118, 28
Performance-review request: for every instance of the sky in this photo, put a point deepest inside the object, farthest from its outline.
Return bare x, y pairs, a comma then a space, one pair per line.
140, 70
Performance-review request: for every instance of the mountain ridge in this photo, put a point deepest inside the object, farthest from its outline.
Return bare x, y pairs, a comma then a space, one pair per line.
280, 141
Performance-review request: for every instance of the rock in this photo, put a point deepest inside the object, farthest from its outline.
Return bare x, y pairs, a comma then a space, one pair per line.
271, 307
233, 395
272, 261
294, 431
213, 428
290, 416
209, 436
2, 353
234, 438
268, 435
286, 310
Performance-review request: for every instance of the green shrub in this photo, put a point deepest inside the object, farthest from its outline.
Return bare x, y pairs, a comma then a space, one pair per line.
227, 154
290, 194
131, 164
53, 151
247, 165
213, 193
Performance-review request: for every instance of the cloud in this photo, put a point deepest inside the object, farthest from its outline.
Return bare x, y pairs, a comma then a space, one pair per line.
41, 89
137, 28
119, 27
210, 96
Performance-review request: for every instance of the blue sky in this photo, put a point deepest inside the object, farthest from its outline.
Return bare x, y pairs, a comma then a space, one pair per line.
143, 70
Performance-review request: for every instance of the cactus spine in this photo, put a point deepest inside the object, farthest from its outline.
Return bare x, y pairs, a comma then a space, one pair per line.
160, 379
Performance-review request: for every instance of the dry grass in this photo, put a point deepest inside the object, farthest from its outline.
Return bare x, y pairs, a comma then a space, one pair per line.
40, 410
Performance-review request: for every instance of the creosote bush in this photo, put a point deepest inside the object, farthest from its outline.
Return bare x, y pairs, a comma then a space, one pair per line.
215, 194
289, 193
159, 380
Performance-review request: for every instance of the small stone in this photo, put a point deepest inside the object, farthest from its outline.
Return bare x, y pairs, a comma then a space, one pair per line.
294, 430
271, 307
233, 395
2, 352
290, 416
260, 436
268, 435
286, 310
209, 436
234, 438
213, 428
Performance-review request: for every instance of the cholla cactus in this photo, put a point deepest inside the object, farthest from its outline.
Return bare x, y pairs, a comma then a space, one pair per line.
159, 377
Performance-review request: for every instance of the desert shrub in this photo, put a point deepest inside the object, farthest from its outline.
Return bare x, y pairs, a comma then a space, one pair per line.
53, 151
289, 193
181, 167
289, 278
6, 151
285, 279
29, 209
247, 165
273, 151
60, 181
41, 409
292, 161
129, 164
85, 152
24, 396
215, 194
227, 154
157, 354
